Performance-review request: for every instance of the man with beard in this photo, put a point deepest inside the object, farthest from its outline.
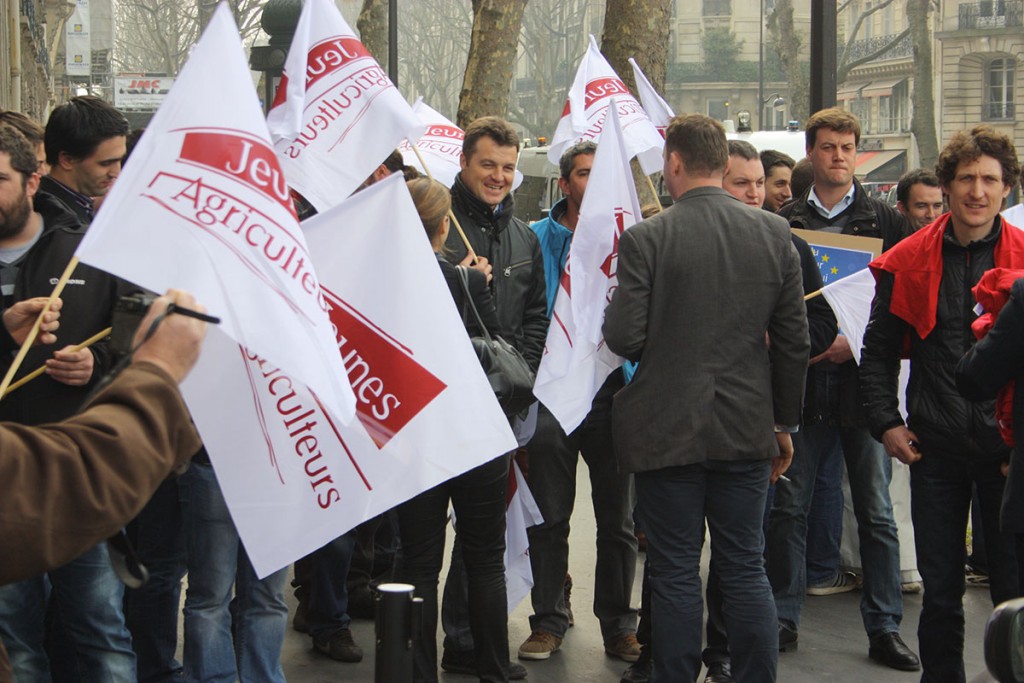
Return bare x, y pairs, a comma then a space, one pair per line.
38, 237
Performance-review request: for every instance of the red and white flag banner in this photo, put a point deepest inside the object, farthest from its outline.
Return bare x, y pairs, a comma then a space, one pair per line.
337, 115
293, 477
522, 514
440, 146
653, 103
583, 118
205, 208
576, 360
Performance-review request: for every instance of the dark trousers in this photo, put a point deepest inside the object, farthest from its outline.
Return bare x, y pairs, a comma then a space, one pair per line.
673, 504
553, 459
478, 497
940, 487
151, 611
322, 576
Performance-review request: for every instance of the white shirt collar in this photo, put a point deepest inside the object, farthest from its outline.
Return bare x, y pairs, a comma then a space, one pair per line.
841, 205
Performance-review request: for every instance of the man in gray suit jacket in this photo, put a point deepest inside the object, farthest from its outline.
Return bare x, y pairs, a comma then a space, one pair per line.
706, 422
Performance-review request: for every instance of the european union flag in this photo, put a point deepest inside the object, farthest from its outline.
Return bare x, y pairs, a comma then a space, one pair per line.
836, 262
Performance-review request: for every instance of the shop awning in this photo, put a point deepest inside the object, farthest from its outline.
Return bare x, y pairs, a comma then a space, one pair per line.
851, 92
881, 88
878, 166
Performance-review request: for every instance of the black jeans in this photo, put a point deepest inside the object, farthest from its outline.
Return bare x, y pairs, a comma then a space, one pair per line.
478, 497
940, 488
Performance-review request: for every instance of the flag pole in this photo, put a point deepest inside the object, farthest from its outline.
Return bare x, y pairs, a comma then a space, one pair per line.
810, 296
657, 199
34, 332
40, 370
451, 214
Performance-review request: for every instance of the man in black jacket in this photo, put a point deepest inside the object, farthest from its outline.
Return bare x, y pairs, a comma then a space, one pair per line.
38, 237
504, 248
923, 299
833, 427
85, 145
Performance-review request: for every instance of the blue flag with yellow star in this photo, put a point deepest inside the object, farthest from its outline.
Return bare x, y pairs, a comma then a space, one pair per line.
840, 255
836, 262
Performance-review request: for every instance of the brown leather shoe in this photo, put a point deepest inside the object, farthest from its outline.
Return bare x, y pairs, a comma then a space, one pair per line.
624, 647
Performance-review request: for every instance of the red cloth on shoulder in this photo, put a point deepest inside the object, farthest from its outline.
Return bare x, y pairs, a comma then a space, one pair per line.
916, 265
992, 292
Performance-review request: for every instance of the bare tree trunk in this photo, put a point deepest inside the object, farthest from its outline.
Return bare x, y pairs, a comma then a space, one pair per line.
492, 56
373, 29
638, 29
922, 124
787, 45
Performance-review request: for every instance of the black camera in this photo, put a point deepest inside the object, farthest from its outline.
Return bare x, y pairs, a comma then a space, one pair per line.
128, 313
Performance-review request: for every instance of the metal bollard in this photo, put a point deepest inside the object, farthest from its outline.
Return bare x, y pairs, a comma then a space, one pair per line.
399, 616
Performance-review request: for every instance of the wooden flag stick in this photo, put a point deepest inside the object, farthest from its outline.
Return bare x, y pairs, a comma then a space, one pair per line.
455, 221
657, 199
40, 370
34, 332
810, 296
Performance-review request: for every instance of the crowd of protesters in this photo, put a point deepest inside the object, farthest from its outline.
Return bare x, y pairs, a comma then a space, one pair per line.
740, 425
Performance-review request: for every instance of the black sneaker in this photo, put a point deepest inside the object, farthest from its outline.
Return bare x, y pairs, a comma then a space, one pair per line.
640, 670
340, 647
464, 662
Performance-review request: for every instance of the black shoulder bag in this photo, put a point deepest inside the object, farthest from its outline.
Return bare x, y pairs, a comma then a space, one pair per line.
508, 372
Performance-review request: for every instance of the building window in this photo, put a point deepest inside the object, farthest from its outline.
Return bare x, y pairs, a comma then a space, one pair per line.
717, 8
999, 101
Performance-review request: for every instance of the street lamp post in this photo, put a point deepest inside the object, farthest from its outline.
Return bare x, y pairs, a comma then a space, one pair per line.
760, 65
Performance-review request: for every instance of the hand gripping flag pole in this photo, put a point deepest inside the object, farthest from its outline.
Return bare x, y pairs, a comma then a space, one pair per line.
34, 332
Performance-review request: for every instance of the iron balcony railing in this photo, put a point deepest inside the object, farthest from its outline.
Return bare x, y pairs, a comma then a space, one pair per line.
867, 46
991, 14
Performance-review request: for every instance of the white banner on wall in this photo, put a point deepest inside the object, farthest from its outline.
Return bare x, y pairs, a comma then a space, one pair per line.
77, 45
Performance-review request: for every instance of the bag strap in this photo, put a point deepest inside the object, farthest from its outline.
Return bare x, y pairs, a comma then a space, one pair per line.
464, 280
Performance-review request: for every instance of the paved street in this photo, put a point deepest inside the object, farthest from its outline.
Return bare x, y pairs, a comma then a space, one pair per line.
833, 646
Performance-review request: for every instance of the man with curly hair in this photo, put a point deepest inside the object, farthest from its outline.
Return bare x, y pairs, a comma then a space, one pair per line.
923, 304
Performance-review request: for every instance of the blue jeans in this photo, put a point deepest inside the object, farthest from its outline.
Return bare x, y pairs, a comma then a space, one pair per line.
870, 471
672, 505
478, 497
88, 597
151, 611
940, 487
825, 522
217, 562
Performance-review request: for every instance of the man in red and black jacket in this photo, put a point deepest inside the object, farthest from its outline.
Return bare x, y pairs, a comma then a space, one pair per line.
923, 308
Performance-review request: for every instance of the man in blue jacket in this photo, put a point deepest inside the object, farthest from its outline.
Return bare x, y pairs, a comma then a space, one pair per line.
553, 459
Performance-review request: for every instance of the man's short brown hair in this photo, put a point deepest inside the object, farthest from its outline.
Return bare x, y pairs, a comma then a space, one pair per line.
17, 147
834, 118
32, 130
493, 127
700, 142
968, 147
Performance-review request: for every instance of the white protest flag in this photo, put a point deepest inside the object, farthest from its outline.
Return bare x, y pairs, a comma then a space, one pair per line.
654, 104
297, 479
205, 208
440, 145
576, 360
587, 106
850, 299
336, 116
1015, 215
522, 514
